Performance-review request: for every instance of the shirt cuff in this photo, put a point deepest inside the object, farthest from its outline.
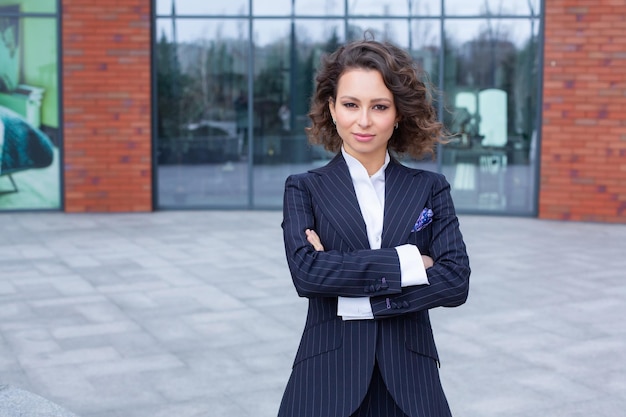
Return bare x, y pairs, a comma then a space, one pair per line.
412, 270
354, 308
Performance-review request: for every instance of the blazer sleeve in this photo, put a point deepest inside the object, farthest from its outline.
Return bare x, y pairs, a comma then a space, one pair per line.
331, 273
448, 277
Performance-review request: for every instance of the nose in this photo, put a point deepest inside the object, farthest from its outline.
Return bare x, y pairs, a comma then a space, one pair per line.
364, 118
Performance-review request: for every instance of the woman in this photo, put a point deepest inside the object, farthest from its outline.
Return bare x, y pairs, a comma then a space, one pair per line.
371, 243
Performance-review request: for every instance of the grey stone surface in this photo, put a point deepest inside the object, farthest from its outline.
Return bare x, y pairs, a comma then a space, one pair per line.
193, 314
15, 402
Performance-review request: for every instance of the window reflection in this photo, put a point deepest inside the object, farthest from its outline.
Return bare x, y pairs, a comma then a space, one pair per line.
224, 142
272, 8
195, 7
286, 60
393, 30
492, 7
320, 8
40, 6
201, 85
394, 7
424, 44
30, 139
490, 83
301, 7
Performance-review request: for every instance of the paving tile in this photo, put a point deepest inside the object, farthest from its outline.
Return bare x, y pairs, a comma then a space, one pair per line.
35, 340
67, 357
116, 365
189, 314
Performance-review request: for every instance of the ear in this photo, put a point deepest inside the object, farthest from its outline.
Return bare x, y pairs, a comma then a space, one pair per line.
331, 107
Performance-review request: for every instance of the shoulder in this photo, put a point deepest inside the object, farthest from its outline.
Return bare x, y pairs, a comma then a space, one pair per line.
338, 162
424, 178
406, 170
300, 178
335, 164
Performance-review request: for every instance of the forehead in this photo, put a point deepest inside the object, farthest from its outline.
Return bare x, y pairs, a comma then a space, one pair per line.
362, 82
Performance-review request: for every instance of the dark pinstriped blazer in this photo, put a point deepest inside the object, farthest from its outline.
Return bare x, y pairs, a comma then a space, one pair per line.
335, 359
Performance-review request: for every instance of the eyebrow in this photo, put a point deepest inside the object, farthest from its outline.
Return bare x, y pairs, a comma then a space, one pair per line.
376, 100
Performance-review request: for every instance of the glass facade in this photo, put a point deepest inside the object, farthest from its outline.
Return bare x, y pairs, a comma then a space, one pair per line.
234, 79
30, 135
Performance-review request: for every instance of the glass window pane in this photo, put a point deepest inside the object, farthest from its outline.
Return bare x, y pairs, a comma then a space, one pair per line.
30, 166
425, 48
377, 8
202, 123
392, 30
202, 8
320, 8
286, 59
17, 6
425, 45
394, 8
492, 7
271, 8
424, 8
301, 7
491, 89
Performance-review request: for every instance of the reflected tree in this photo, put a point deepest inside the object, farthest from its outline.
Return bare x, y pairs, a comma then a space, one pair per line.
525, 84
198, 84
332, 43
170, 85
271, 90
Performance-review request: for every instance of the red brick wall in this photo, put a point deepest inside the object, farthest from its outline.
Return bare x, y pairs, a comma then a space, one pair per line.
106, 105
583, 151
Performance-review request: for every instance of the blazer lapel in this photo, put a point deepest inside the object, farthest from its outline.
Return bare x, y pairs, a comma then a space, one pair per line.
406, 193
339, 203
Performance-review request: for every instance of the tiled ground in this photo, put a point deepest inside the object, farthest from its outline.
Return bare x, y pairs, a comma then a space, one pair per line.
192, 314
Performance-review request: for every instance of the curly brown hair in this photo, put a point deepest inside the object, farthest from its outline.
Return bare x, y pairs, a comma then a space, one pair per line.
418, 131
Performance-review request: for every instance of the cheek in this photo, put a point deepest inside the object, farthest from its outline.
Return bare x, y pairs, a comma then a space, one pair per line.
387, 123
343, 119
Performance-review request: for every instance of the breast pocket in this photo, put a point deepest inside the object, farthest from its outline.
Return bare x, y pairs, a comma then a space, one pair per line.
318, 339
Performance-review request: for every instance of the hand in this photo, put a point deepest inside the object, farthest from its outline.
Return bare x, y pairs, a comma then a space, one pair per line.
428, 261
314, 240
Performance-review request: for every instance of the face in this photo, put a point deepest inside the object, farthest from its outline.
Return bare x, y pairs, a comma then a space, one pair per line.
365, 115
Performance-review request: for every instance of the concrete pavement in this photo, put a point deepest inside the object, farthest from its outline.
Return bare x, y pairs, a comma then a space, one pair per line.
193, 313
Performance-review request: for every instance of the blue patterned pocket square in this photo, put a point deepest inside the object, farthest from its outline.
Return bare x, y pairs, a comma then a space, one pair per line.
424, 219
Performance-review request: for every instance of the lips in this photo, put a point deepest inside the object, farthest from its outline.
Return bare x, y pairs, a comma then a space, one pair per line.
363, 137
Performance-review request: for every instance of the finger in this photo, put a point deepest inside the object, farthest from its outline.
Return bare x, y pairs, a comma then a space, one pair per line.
312, 236
314, 240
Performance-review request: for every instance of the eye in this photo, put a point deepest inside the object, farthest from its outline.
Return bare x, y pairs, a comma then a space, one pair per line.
349, 105
380, 107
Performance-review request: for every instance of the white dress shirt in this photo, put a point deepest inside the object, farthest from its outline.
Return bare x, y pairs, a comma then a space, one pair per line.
370, 193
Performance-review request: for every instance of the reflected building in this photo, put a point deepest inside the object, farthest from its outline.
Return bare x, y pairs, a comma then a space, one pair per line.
248, 70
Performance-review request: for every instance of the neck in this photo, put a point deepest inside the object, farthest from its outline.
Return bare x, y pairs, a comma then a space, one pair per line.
371, 163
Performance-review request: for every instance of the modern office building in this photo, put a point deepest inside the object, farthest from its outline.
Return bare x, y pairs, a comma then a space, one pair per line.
140, 105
